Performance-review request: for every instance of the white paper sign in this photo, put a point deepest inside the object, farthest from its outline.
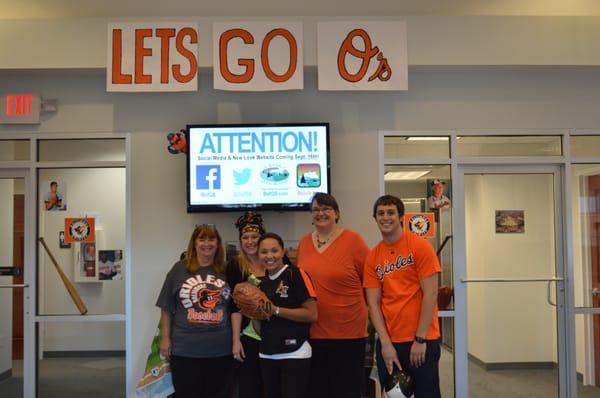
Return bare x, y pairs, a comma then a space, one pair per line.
258, 56
152, 56
362, 56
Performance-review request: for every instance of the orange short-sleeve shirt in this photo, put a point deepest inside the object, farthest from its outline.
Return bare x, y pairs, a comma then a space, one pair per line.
397, 270
337, 275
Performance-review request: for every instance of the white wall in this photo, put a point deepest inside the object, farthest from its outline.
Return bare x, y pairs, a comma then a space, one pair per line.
510, 322
437, 100
6, 259
432, 40
98, 190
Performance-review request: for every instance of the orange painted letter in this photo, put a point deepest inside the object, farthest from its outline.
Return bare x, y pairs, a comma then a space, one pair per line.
165, 37
191, 57
140, 53
365, 55
117, 58
246, 62
264, 55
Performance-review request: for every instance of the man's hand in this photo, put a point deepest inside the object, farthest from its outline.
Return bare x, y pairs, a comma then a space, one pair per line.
417, 354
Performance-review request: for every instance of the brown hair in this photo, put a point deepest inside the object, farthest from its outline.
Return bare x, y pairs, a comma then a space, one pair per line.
326, 199
205, 231
389, 200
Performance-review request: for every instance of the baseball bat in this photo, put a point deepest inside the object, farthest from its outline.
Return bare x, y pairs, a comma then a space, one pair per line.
70, 287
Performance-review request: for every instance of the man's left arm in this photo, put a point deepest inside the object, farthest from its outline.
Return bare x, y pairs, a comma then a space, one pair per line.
429, 285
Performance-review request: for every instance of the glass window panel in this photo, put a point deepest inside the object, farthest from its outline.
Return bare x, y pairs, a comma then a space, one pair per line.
428, 188
97, 268
587, 345
586, 233
447, 357
82, 359
509, 146
14, 150
81, 150
583, 145
11, 311
416, 147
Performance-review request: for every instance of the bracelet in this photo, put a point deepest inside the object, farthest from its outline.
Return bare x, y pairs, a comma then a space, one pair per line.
276, 312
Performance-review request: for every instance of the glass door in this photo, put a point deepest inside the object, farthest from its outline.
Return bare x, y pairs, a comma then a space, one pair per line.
511, 325
585, 179
14, 291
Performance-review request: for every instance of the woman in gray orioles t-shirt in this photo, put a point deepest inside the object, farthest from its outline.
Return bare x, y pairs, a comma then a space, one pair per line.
195, 318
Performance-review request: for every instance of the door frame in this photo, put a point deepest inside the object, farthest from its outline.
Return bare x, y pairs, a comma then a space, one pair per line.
461, 279
29, 326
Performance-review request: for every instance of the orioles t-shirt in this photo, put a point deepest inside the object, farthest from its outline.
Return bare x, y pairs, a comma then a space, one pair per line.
397, 270
200, 305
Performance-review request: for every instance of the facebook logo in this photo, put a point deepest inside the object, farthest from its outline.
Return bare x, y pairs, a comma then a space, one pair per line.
208, 177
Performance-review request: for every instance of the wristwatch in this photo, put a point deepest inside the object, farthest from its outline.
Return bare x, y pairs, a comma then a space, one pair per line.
420, 340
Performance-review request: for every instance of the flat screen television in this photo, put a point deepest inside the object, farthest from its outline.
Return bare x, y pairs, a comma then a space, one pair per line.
256, 166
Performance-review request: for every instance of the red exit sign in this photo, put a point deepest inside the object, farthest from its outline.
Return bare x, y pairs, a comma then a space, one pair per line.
20, 108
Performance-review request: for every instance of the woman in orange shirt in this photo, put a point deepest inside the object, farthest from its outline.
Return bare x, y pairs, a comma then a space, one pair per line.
334, 258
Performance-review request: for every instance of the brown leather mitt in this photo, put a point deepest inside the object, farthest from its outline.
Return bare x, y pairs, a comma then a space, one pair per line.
252, 302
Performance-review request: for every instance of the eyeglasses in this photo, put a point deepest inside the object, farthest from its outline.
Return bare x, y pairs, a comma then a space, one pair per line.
324, 209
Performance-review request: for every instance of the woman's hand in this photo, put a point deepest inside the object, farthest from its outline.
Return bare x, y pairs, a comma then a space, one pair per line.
238, 350
165, 347
390, 357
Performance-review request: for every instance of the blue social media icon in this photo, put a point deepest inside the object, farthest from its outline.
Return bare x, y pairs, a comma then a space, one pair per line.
241, 176
208, 177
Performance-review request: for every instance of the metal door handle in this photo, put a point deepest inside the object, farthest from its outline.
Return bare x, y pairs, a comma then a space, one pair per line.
596, 291
14, 286
472, 280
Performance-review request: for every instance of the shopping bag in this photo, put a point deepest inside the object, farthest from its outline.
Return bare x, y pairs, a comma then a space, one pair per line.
156, 381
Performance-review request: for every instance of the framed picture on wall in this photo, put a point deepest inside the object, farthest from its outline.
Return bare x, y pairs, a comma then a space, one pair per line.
439, 194
510, 221
61, 241
55, 196
110, 265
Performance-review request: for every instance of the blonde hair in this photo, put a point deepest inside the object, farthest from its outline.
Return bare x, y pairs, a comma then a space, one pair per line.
205, 231
244, 263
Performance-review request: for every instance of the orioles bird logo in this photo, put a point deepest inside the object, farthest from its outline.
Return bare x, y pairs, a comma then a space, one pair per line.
208, 298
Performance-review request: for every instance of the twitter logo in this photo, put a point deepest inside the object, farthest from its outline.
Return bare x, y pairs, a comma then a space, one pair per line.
241, 177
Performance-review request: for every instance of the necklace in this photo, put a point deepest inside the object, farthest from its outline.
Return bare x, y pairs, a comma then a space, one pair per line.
321, 243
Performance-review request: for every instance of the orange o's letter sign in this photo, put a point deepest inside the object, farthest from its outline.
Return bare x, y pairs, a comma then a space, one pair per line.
258, 56
152, 57
362, 56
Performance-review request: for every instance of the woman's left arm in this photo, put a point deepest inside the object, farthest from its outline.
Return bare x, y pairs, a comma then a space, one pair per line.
306, 313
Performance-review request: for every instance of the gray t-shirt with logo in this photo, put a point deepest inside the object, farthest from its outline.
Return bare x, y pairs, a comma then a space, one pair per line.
200, 306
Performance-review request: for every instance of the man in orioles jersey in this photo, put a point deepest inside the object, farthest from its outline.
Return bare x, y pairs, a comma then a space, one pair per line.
401, 280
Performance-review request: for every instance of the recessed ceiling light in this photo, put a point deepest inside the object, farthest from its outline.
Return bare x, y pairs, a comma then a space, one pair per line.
405, 175
427, 139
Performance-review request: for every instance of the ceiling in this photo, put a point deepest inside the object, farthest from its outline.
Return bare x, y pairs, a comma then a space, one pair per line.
33, 9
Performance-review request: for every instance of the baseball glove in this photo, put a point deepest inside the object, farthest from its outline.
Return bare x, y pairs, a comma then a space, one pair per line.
252, 302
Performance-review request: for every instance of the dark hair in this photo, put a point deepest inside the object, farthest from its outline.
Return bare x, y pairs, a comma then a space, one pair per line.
326, 199
54, 183
205, 231
387, 200
272, 235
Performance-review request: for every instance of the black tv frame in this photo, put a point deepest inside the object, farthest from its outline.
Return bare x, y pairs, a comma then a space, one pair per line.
259, 206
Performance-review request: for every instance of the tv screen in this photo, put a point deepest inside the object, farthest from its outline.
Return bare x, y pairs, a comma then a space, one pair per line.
252, 166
